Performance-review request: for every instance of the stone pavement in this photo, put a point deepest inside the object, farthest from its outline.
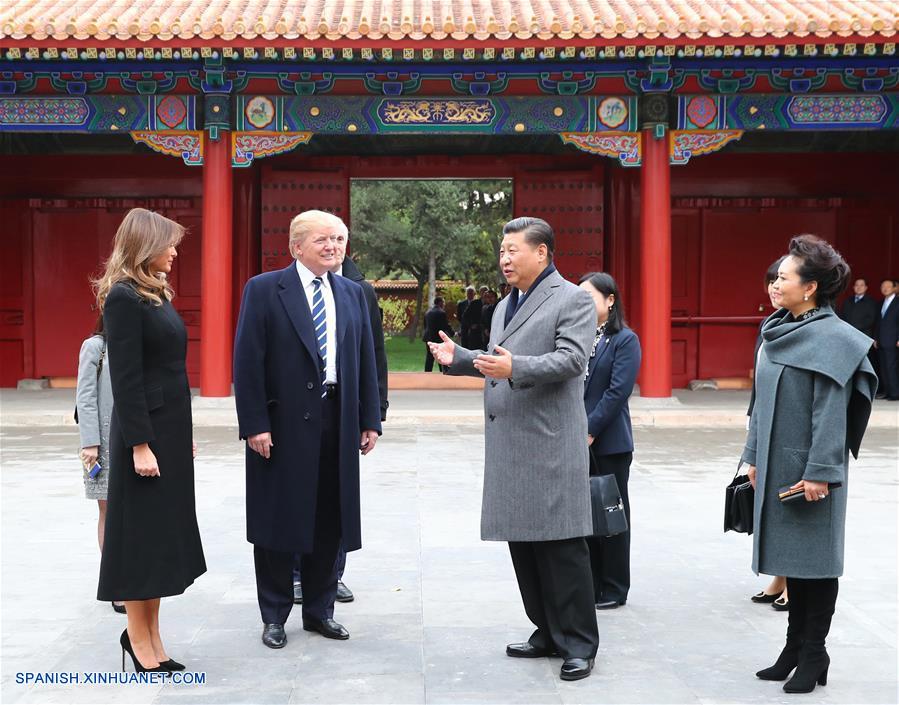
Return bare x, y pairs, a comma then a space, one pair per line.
434, 605
686, 409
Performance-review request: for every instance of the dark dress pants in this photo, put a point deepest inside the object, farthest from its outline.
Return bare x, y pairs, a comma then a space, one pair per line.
555, 585
610, 557
274, 569
889, 372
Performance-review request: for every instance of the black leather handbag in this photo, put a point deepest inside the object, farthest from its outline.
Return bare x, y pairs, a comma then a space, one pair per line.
608, 509
739, 498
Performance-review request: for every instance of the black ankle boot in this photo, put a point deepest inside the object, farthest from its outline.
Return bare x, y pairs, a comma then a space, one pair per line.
789, 657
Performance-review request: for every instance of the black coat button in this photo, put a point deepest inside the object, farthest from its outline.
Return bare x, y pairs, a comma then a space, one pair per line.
309, 385
307, 416
492, 417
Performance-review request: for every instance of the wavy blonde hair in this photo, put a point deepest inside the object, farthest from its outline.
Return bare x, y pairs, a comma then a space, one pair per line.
142, 237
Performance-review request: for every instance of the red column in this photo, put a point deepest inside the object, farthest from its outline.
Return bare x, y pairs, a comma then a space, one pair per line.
216, 280
655, 265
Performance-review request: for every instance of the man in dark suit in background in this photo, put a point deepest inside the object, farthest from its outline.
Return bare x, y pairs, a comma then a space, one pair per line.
471, 320
306, 389
436, 320
487, 317
345, 267
461, 307
887, 340
862, 312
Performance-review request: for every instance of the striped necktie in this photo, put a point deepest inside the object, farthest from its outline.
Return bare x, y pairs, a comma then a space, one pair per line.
321, 328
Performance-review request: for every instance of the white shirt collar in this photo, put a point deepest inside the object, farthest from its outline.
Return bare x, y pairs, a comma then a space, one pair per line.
306, 275
889, 298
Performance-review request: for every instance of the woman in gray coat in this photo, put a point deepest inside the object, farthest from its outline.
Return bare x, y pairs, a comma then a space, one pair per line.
93, 400
814, 387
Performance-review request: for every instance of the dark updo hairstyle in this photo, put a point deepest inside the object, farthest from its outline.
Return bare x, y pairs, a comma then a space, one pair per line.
819, 262
771, 274
605, 284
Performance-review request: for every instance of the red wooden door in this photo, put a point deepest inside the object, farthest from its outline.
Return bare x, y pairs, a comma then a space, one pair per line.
70, 243
16, 353
572, 203
287, 193
738, 244
685, 238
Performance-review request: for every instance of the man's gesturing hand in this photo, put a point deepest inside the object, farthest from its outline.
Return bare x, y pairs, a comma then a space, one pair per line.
498, 365
262, 444
443, 352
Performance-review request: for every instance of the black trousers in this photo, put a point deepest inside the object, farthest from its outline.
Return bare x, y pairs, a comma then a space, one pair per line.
554, 581
889, 372
610, 557
340, 566
274, 569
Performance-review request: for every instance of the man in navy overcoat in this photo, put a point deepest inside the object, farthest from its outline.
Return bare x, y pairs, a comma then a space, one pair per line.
306, 388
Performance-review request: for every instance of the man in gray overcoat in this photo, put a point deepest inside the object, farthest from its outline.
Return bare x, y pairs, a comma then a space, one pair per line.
536, 473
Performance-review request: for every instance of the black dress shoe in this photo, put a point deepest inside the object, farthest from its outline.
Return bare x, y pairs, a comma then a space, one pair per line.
273, 636
573, 669
765, 598
327, 628
344, 594
608, 604
528, 650
118, 608
298, 593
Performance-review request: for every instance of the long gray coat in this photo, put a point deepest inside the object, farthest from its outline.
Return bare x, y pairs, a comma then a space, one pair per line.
93, 398
536, 470
814, 387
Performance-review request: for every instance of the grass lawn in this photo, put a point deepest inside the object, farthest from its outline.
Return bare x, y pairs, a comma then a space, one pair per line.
404, 355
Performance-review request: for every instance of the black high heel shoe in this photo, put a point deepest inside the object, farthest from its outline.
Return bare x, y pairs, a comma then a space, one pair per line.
125, 642
171, 665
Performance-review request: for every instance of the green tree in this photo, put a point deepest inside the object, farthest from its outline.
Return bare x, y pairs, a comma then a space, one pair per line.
425, 229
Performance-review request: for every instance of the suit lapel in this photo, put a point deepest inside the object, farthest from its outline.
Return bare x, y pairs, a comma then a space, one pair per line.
535, 300
293, 298
604, 345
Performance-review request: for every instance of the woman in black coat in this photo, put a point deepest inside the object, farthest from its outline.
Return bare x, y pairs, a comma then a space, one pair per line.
611, 373
152, 547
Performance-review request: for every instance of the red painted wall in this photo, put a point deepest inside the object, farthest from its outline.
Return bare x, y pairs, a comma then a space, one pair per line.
733, 214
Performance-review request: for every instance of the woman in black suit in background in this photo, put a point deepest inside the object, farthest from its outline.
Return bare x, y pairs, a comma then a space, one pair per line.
152, 546
611, 373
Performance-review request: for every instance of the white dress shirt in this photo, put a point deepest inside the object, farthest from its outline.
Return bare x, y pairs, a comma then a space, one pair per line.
886, 304
306, 279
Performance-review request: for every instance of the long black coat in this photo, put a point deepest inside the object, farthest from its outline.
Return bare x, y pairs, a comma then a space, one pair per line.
351, 272
152, 546
277, 386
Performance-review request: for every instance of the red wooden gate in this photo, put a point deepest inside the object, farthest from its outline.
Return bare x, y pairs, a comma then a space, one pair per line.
572, 203
286, 193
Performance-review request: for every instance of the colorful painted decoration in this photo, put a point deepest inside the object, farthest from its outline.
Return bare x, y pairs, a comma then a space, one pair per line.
260, 112
171, 111
701, 110
24, 112
626, 147
837, 110
436, 112
612, 112
247, 146
693, 143
187, 145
